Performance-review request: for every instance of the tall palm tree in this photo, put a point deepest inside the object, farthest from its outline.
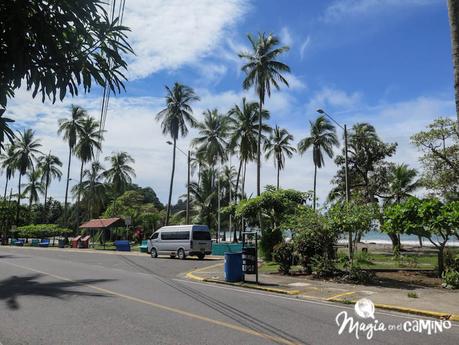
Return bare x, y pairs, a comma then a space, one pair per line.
453, 11
120, 173
49, 167
204, 198
263, 71
89, 142
322, 138
8, 164
244, 123
279, 146
5, 130
402, 183
33, 188
92, 188
211, 143
26, 149
175, 118
70, 128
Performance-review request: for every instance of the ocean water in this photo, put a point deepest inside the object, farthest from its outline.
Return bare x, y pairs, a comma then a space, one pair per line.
379, 238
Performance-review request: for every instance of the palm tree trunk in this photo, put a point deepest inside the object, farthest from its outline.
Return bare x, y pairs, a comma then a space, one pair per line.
278, 172
79, 196
315, 186
237, 179
6, 187
243, 180
453, 11
45, 215
19, 199
67, 187
171, 185
259, 148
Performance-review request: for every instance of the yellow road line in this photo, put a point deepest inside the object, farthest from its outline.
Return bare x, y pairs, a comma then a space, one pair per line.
341, 295
191, 275
166, 308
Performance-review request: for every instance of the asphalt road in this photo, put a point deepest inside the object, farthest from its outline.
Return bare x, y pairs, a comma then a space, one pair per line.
59, 297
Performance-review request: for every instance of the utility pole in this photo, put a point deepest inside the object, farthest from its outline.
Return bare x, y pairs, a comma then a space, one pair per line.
188, 191
218, 206
346, 170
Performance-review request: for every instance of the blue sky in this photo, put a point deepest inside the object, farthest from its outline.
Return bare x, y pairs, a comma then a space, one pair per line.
387, 62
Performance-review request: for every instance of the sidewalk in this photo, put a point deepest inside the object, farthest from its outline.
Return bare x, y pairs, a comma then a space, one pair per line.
434, 302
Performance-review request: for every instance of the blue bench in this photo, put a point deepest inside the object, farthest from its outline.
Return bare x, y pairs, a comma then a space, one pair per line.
19, 243
122, 246
44, 243
144, 246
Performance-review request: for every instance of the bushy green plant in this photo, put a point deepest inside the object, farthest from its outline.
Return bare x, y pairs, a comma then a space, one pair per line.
452, 261
362, 258
323, 267
356, 274
451, 279
268, 241
283, 255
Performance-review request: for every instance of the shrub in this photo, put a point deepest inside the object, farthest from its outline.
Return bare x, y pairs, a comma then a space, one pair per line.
323, 267
41, 231
362, 258
268, 241
283, 255
412, 295
451, 279
356, 274
451, 261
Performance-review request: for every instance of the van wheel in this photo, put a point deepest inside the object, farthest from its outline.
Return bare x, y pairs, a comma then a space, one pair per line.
201, 256
181, 254
154, 253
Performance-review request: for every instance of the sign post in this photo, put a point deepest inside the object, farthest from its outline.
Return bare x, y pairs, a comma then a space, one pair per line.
250, 254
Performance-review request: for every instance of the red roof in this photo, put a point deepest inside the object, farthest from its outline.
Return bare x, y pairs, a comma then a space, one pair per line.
102, 223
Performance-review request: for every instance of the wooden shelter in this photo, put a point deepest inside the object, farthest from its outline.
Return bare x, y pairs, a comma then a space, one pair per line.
102, 225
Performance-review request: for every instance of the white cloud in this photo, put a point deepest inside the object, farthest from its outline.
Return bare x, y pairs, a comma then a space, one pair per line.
167, 34
343, 9
306, 43
286, 37
334, 99
131, 127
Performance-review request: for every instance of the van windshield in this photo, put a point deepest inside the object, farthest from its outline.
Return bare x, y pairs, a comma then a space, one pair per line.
201, 235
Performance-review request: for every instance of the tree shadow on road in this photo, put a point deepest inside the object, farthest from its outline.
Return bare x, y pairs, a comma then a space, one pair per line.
14, 287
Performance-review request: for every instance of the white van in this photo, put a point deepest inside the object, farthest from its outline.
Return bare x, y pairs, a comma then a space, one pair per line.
181, 241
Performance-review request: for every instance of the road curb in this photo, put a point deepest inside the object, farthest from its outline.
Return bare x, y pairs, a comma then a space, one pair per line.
422, 312
192, 276
253, 287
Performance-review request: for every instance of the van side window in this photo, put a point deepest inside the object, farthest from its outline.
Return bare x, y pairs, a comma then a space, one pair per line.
154, 236
177, 235
201, 235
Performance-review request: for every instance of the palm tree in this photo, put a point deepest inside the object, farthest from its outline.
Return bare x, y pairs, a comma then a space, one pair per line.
402, 182
279, 146
244, 123
322, 138
5, 130
121, 173
33, 188
174, 121
203, 197
26, 149
211, 144
263, 71
92, 188
453, 11
8, 165
70, 128
49, 166
89, 141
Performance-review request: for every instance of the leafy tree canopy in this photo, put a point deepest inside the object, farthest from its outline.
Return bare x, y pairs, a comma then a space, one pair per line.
56, 45
440, 160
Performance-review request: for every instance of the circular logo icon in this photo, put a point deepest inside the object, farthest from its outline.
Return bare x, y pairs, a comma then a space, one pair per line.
365, 308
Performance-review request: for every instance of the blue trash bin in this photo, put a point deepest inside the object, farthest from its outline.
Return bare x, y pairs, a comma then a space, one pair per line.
233, 267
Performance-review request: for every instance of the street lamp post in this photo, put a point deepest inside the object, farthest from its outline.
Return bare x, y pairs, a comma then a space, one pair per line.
346, 168
188, 155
